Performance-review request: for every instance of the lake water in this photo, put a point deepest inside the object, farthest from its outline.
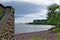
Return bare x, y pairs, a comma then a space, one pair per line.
26, 28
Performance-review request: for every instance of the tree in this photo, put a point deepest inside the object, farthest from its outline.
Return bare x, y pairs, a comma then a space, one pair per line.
53, 14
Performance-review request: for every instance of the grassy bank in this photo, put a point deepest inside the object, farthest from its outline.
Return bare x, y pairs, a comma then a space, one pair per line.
57, 30
37, 39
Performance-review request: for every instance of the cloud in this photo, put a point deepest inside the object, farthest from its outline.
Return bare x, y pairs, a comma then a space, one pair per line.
5, 1
38, 2
27, 19
23, 7
30, 17
28, 10
24, 11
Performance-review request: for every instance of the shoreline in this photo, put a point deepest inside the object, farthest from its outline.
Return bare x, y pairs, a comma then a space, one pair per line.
49, 35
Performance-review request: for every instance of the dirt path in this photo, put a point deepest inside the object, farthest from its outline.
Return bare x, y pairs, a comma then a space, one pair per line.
43, 34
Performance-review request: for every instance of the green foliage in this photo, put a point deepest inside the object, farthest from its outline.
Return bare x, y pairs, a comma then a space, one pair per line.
56, 29
39, 21
53, 14
37, 39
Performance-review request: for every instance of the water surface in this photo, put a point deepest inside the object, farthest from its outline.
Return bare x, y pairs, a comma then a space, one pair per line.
26, 28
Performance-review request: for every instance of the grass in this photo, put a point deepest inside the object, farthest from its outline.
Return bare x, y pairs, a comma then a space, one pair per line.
37, 39
54, 29
57, 30
58, 38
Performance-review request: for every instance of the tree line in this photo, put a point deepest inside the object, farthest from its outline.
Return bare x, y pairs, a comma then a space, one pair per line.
53, 16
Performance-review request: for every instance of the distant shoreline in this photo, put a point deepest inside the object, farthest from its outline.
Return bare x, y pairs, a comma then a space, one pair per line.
39, 24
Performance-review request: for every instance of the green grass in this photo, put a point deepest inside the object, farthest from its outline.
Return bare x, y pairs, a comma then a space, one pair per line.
57, 30
58, 38
54, 29
37, 39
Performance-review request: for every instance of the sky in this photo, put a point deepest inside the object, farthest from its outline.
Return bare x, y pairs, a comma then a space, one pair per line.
28, 10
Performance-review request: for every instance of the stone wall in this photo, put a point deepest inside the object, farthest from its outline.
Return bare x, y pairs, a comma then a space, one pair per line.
7, 32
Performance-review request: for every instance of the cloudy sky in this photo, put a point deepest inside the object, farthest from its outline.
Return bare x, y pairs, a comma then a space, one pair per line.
28, 10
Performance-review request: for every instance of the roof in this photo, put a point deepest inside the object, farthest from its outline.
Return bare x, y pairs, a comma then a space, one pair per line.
2, 5
8, 7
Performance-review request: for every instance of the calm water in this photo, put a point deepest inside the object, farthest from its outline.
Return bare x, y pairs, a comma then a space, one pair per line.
26, 28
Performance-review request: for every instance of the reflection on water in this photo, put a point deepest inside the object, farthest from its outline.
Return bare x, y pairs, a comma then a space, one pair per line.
24, 28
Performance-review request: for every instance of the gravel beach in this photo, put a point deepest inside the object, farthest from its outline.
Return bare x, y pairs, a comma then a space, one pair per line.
48, 35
